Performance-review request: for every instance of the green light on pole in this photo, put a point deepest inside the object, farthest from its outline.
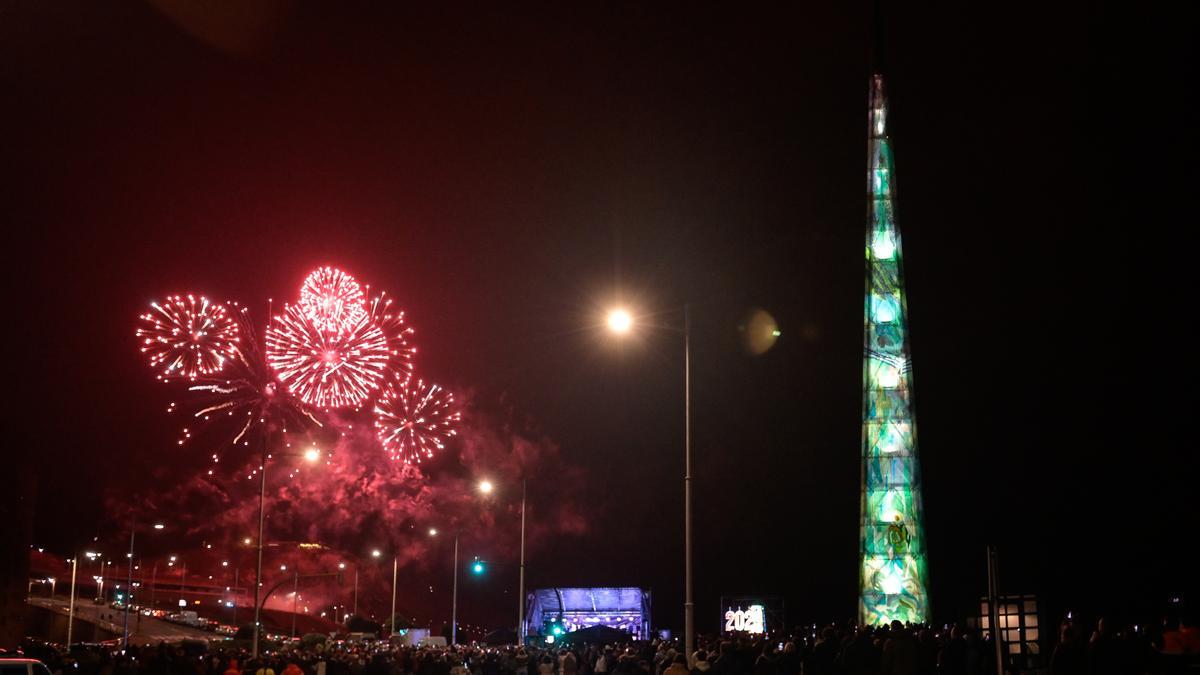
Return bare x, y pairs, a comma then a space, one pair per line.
477, 567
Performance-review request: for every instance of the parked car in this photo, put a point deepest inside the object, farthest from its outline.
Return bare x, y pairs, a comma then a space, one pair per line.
23, 667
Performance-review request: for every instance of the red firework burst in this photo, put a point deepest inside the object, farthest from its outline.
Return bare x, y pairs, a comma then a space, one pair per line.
413, 419
188, 336
391, 321
332, 299
327, 369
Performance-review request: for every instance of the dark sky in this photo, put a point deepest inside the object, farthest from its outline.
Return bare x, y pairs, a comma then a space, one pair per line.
508, 172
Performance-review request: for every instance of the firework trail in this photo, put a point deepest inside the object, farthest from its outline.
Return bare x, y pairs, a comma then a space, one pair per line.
190, 337
327, 369
413, 419
332, 300
244, 393
391, 321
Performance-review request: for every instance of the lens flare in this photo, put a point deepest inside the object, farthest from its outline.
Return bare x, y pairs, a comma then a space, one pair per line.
188, 336
332, 299
413, 420
327, 369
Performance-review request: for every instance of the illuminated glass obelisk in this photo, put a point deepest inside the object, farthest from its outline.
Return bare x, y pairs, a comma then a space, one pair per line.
893, 579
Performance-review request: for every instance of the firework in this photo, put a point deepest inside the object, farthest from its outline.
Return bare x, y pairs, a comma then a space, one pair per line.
248, 392
413, 419
326, 368
332, 299
187, 336
391, 321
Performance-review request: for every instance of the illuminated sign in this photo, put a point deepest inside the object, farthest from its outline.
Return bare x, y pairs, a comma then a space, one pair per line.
748, 620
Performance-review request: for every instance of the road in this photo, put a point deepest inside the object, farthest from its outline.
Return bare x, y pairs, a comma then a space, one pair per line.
143, 628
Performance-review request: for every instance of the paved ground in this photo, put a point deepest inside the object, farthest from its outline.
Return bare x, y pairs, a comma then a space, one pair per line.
143, 628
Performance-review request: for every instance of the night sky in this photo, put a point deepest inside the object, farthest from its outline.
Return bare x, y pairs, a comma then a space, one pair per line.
508, 173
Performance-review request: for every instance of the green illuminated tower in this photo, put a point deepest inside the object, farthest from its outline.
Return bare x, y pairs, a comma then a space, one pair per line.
893, 579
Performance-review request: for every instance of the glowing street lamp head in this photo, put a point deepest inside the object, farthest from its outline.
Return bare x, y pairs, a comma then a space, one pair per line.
486, 487
312, 454
433, 531
619, 321
376, 553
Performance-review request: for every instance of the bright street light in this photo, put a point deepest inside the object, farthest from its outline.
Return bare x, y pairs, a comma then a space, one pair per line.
619, 321
159, 526
312, 454
433, 531
376, 553
486, 487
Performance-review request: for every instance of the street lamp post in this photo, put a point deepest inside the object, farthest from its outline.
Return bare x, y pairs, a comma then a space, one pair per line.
262, 500
454, 597
71, 606
621, 321
392, 619
454, 592
128, 590
312, 455
521, 584
486, 487
295, 600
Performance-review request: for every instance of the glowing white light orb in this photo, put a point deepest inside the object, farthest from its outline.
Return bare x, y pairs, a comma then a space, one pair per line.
486, 487
619, 321
312, 454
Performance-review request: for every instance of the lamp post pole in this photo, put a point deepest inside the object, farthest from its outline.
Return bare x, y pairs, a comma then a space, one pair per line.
295, 600
355, 611
392, 620
521, 584
71, 606
236, 592
262, 499
454, 597
689, 627
153, 585
129, 588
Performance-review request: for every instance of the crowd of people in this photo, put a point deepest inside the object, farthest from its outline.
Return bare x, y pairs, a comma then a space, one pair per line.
832, 650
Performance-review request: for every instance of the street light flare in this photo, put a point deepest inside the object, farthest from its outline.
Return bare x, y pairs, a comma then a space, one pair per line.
312, 454
486, 487
620, 321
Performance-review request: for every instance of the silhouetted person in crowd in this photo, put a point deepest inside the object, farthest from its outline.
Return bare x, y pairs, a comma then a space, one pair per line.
900, 656
1105, 652
953, 658
1069, 656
